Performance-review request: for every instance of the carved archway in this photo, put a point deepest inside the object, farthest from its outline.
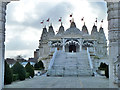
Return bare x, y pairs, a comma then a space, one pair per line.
72, 48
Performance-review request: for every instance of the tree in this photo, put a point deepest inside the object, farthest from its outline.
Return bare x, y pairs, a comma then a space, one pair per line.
8, 74
30, 69
39, 65
36, 66
20, 70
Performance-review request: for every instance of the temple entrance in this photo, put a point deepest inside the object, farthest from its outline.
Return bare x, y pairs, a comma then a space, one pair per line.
72, 48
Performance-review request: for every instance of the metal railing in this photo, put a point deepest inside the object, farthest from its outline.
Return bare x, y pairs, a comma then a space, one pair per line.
53, 59
89, 58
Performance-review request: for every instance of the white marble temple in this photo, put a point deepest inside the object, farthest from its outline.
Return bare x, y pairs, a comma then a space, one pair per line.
113, 28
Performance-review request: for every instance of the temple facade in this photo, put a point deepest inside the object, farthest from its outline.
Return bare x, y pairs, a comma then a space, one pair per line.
76, 42
73, 40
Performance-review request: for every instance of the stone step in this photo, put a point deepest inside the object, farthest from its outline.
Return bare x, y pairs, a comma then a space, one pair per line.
70, 64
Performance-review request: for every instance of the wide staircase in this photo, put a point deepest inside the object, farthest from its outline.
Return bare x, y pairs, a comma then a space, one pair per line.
70, 64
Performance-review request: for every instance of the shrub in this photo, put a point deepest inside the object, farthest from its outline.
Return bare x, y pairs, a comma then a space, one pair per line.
29, 69
8, 74
20, 70
96, 57
15, 77
39, 65
27, 75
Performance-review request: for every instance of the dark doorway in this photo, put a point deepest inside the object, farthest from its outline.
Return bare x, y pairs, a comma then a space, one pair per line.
105, 67
72, 48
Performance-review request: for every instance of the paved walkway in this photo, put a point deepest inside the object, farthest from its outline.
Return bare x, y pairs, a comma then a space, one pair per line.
62, 82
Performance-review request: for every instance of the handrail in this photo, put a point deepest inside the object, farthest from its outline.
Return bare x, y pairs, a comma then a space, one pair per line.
90, 61
53, 59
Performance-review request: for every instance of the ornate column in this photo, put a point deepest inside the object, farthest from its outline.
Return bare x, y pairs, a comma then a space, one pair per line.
3, 4
94, 47
80, 42
63, 48
113, 36
2, 40
50, 45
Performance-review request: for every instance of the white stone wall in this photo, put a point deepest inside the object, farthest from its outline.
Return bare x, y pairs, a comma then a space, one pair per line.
114, 29
3, 4
44, 50
2, 40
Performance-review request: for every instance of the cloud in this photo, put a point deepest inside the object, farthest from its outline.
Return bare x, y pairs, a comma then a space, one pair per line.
101, 9
17, 43
23, 29
19, 32
41, 11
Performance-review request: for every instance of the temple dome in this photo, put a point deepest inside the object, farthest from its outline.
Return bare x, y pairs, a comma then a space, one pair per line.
73, 30
72, 24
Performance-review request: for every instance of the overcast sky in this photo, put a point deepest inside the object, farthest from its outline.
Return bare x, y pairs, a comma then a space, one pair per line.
23, 28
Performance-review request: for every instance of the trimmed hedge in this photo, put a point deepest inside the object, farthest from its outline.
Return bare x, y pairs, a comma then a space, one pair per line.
8, 77
20, 70
29, 69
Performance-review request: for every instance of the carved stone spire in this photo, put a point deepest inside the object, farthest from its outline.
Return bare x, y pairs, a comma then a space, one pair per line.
61, 29
84, 29
94, 30
51, 32
44, 34
101, 30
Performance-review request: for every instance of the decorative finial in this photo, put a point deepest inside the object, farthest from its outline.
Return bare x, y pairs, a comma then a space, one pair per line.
50, 24
61, 23
96, 21
84, 23
72, 20
45, 26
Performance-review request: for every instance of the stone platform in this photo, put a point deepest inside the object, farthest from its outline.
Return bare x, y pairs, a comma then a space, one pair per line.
63, 82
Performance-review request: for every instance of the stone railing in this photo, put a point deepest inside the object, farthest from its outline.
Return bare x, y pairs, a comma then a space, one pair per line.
90, 61
53, 59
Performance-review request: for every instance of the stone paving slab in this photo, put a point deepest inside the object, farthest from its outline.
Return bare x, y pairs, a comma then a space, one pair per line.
63, 82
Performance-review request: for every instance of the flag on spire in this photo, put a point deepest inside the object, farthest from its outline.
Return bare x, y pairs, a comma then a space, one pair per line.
102, 21
60, 19
48, 20
42, 22
71, 15
82, 19
96, 20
